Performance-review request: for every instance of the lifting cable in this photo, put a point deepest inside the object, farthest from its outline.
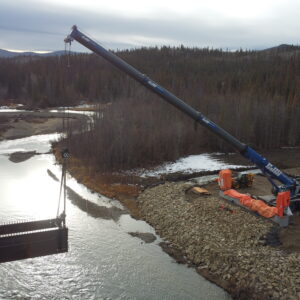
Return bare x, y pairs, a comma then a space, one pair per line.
64, 153
66, 116
63, 187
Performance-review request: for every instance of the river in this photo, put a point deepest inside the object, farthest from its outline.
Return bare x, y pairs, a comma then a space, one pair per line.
104, 261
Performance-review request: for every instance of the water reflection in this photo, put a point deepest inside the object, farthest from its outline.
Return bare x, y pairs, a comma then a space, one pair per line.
95, 210
104, 262
26, 193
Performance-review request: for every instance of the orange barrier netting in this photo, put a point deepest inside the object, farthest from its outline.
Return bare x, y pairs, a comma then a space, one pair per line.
256, 205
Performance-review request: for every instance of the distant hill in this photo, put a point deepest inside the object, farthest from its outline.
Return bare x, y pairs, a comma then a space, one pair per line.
8, 54
284, 50
283, 47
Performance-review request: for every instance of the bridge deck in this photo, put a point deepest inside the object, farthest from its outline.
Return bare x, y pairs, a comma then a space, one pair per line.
31, 239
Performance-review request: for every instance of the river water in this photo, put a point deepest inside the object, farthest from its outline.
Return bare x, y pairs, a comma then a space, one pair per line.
104, 261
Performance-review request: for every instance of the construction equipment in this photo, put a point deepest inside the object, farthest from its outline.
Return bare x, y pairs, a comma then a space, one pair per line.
243, 180
226, 181
279, 180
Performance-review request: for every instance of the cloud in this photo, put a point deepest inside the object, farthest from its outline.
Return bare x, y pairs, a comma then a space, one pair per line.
42, 25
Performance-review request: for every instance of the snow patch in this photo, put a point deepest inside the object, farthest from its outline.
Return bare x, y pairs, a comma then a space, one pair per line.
188, 165
40, 143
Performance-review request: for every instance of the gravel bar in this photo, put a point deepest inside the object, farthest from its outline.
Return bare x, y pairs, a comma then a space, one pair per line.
226, 245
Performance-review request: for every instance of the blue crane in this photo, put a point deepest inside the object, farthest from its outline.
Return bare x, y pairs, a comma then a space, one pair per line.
279, 180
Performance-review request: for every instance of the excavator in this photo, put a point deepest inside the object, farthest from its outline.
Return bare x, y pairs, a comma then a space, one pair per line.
287, 187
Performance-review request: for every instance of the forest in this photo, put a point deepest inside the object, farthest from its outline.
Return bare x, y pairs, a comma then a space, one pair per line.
255, 95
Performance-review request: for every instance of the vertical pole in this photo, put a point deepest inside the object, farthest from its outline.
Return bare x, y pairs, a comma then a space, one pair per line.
65, 191
65, 156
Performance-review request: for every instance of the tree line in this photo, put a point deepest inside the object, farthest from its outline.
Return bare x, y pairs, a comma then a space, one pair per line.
252, 94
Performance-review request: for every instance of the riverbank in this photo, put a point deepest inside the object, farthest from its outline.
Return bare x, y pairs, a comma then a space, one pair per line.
110, 185
227, 246
20, 124
107, 259
229, 249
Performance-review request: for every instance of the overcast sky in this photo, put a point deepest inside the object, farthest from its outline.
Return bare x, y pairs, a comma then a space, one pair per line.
253, 24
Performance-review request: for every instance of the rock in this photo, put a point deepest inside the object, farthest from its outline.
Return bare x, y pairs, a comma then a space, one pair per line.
146, 237
187, 185
228, 244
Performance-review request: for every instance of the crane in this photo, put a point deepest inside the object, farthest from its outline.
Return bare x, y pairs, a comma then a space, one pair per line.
279, 180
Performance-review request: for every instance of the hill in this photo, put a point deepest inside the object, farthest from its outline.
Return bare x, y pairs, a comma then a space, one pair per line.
282, 50
9, 54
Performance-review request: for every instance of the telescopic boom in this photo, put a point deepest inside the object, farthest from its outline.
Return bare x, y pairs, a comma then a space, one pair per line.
266, 167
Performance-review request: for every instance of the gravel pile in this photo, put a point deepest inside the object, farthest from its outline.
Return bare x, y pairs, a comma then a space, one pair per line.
225, 243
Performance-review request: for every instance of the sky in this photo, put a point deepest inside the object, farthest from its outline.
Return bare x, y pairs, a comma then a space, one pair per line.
41, 25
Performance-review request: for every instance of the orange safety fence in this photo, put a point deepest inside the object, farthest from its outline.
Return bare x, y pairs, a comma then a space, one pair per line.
256, 205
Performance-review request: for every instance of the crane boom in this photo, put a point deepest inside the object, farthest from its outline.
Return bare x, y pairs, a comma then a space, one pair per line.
271, 171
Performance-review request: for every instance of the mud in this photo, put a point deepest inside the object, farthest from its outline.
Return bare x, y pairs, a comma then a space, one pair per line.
14, 125
145, 236
18, 157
